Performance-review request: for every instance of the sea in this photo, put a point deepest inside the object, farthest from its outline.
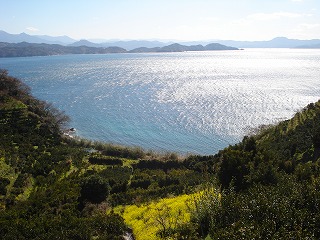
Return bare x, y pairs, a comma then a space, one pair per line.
188, 102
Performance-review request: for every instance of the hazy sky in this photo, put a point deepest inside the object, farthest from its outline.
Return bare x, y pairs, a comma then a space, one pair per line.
163, 19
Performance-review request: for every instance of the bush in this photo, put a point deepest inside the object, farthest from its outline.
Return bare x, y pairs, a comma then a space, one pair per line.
94, 189
4, 182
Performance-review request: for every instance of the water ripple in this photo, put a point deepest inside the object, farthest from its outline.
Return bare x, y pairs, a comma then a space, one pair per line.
196, 102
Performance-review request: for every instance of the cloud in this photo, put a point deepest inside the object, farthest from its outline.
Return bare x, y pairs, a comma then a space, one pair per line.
309, 26
306, 31
32, 29
273, 16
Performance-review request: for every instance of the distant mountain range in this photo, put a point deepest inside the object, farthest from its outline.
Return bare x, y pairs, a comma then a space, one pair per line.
23, 37
129, 45
279, 42
147, 46
67, 41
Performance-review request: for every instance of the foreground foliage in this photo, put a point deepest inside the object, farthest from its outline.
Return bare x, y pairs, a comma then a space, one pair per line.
40, 181
56, 187
269, 184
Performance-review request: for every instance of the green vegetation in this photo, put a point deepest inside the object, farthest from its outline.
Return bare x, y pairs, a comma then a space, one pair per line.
53, 186
56, 187
269, 184
42, 177
25, 49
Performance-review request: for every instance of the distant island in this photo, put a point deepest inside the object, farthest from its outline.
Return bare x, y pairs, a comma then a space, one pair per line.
176, 47
25, 45
25, 49
312, 46
154, 45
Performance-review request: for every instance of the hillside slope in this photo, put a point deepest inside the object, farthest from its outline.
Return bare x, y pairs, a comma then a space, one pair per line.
50, 181
265, 187
40, 185
269, 184
53, 186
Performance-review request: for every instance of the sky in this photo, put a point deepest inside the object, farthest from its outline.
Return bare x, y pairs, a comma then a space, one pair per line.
189, 20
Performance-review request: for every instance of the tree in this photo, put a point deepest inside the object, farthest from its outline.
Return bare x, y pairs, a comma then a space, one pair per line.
94, 189
233, 168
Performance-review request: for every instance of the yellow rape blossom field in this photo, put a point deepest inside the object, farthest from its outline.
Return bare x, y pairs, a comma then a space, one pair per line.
149, 219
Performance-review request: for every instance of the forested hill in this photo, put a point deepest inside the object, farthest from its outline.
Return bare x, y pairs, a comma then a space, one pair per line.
25, 49
40, 183
269, 183
183, 48
53, 186
290, 146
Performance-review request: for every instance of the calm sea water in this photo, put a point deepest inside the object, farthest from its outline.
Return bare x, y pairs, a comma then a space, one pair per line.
192, 102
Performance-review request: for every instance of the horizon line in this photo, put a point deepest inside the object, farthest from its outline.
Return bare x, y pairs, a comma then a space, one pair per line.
101, 40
